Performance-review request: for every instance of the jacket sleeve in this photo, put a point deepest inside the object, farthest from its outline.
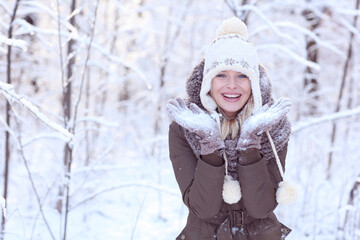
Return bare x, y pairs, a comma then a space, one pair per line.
200, 183
259, 182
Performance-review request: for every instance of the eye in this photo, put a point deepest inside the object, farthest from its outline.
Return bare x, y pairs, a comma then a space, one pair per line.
242, 76
221, 75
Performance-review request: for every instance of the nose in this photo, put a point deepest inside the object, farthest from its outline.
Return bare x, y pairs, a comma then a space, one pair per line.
232, 82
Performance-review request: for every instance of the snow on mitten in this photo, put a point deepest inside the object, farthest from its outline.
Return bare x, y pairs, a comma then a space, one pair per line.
196, 120
261, 121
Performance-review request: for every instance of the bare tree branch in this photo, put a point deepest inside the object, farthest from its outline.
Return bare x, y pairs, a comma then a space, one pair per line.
128, 185
299, 126
21, 151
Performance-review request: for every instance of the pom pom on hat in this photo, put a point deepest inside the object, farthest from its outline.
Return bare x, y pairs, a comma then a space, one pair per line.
232, 26
231, 190
287, 193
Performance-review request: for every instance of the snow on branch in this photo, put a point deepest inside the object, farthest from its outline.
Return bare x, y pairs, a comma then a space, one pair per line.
8, 91
309, 123
350, 27
13, 42
347, 11
39, 8
290, 54
305, 32
268, 21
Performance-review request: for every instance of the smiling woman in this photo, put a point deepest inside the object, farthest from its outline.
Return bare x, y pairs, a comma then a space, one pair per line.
221, 139
230, 91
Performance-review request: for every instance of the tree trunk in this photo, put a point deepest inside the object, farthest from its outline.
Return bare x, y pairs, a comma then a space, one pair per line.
311, 84
63, 203
337, 109
351, 223
125, 93
7, 113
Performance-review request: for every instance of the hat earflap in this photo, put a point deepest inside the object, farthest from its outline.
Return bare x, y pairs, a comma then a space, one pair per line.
287, 192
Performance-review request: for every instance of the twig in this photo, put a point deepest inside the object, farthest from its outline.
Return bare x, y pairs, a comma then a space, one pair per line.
60, 44
86, 65
334, 116
137, 218
147, 186
21, 151
37, 215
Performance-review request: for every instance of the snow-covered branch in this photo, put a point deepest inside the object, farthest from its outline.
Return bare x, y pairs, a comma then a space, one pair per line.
306, 32
257, 11
311, 122
9, 92
291, 54
347, 11
13, 42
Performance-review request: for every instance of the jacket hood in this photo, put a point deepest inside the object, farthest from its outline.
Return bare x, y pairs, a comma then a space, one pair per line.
194, 81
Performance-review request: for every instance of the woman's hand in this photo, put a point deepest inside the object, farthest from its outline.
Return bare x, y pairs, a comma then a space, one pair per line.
262, 121
197, 121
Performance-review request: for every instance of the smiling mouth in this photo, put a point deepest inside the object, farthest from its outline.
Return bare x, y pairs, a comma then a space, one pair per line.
231, 96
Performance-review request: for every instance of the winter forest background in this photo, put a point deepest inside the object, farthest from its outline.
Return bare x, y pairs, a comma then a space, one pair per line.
83, 124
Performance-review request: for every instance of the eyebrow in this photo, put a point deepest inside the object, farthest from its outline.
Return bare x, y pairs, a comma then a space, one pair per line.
237, 72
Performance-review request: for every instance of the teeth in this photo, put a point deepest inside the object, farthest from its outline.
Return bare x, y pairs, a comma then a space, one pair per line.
231, 95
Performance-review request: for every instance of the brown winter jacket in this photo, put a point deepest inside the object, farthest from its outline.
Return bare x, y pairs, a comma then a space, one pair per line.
201, 187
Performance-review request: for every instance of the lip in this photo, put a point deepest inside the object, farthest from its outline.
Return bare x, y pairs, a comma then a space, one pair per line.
227, 99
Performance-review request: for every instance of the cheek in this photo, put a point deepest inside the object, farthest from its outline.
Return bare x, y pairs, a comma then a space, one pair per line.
246, 86
215, 86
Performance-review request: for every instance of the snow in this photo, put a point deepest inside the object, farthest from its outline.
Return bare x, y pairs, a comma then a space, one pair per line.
122, 184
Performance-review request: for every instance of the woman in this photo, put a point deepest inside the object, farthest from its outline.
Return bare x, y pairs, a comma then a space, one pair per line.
220, 144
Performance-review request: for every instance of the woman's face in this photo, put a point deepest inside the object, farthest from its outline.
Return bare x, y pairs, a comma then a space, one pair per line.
230, 91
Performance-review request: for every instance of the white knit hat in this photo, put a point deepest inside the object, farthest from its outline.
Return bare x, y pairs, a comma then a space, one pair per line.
231, 50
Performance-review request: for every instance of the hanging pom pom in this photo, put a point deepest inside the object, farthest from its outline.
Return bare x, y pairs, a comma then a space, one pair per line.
231, 190
233, 26
287, 193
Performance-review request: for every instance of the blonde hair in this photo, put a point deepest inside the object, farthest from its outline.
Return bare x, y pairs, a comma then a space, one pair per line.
233, 127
